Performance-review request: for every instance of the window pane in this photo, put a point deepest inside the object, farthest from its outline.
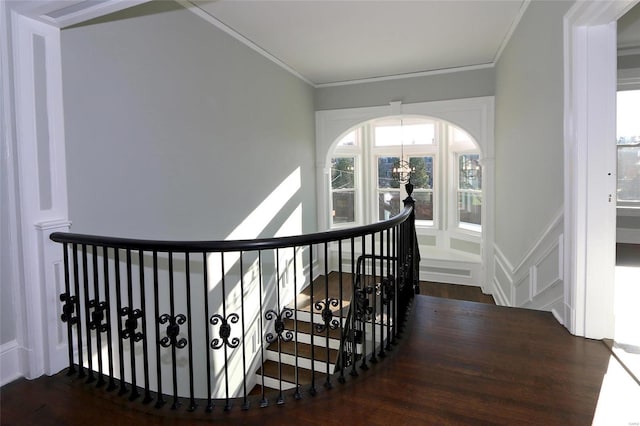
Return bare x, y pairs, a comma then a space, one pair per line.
470, 172
629, 172
388, 204
424, 205
628, 133
348, 140
344, 207
342, 172
422, 175
385, 172
469, 206
409, 134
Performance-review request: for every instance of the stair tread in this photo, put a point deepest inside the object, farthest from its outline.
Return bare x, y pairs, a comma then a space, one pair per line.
304, 350
320, 291
306, 327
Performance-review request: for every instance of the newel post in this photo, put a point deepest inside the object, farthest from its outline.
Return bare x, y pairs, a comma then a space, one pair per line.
414, 252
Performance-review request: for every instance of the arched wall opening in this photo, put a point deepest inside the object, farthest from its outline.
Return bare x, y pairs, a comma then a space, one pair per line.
449, 145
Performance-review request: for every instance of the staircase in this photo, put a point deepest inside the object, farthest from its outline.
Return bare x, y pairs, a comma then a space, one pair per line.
310, 353
313, 348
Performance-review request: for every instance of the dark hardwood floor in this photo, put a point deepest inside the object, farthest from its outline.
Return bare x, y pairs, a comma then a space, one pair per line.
458, 363
454, 291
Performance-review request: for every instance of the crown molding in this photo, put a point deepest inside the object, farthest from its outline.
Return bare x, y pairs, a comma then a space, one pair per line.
405, 76
189, 5
507, 38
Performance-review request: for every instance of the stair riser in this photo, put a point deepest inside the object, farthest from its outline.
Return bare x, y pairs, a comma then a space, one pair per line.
317, 318
320, 366
318, 340
271, 383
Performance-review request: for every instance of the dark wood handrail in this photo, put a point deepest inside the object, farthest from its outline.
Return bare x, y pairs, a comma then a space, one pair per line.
231, 245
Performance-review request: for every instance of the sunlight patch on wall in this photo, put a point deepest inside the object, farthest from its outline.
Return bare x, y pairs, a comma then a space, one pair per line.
254, 224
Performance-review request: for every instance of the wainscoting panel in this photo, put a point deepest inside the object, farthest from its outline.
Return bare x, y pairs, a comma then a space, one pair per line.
537, 281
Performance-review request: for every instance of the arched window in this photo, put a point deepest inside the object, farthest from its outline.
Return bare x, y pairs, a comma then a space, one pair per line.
446, 173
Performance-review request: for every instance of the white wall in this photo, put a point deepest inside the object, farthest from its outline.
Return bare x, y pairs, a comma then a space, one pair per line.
529, 160
176, 130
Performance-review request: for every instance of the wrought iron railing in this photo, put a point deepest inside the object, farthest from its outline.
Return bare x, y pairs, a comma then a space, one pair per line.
213, 322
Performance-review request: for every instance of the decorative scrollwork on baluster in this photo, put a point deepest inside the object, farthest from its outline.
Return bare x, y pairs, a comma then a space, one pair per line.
389, 292
131, 324
97, 316
281, 333
173, 330
68, 308
363, 308
329, 322
402, 274
225, 331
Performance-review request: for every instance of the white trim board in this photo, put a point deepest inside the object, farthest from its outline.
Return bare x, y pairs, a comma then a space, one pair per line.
590, 56
10, 362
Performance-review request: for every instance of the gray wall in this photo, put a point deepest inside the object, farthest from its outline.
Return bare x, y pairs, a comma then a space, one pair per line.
630, 61
529, 129
176, 130
456, 85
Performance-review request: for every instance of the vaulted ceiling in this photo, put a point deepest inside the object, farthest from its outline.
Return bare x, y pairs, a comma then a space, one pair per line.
327, 42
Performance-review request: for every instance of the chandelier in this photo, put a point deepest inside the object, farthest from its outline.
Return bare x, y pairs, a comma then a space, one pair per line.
403, 171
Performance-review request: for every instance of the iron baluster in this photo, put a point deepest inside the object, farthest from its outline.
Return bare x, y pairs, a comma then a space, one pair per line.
296, 394
85, 287
341, 378
245, 401
68, 308
107, 296
373, 358
156, 303
312, 390
98, 314
263, 401
116, 260
381, 354
327, 315
76, 284
205, 280
281, 335
176, 401
131, 325
145, 349
192, 398
352, 332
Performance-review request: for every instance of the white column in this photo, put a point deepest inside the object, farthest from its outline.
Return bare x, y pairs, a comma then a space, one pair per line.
42, 189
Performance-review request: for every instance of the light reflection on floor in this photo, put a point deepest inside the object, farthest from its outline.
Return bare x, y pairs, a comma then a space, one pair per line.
619, 401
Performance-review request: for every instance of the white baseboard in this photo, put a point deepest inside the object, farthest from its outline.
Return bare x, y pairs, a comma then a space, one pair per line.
10, 364
499, 296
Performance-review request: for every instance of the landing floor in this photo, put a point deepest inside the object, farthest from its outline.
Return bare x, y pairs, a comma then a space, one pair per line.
458, 363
